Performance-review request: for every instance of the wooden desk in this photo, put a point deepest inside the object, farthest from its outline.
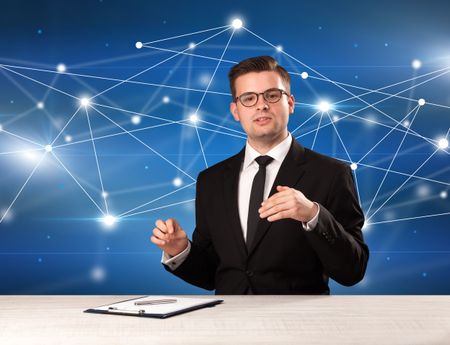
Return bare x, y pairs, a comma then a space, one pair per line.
359, 320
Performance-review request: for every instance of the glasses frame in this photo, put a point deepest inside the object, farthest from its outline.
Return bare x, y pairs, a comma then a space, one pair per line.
282, 92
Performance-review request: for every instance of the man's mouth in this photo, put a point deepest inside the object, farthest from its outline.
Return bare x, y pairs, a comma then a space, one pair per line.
262, 119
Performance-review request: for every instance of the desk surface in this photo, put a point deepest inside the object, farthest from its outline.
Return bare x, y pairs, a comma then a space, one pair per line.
239, 320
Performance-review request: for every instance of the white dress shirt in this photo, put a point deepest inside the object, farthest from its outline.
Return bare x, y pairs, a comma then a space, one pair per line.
248, 171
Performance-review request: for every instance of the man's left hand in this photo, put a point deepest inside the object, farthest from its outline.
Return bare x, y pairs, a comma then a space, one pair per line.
288, 203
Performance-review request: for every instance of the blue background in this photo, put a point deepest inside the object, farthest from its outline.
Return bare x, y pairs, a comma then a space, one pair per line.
52, 240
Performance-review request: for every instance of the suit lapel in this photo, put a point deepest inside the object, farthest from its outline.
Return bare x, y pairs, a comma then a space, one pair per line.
291, 170
231, 185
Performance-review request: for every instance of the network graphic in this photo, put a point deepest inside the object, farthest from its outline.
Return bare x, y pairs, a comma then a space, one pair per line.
129, 144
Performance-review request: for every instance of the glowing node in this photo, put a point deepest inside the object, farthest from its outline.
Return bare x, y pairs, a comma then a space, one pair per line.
192, 45
109, 220
324, 106
280, 48
354, 166
443, 143
421, 102
98, 274
1, 128
304, 75
443, 194
166, 99
40, 105
104, 195
177, 182
135, 120
139, 45
48, 148
193, 118
6, 215
416, 64
61, 68
68, 138
336, 118
365, 228
406, 123
236, 23
85, 101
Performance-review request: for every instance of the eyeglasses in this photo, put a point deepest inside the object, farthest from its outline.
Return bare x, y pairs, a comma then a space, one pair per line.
249, 99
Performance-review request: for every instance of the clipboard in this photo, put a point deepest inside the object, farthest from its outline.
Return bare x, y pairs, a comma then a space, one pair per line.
161, 311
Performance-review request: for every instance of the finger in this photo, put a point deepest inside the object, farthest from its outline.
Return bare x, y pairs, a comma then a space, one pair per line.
159, 234
275, 209
279, 215
282, 188
157, 241
281, 199
277, 195
171, 225
161, 225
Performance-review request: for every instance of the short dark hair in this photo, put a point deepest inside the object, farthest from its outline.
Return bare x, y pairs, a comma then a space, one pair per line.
257, 64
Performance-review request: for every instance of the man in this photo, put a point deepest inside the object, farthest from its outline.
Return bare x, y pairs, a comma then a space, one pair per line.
307, 230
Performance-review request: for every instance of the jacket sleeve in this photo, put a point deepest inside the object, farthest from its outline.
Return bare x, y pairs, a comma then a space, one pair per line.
199, 267
337, 239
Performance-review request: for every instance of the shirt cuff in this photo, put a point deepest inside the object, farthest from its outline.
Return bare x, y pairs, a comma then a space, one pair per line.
309, 226
174, 261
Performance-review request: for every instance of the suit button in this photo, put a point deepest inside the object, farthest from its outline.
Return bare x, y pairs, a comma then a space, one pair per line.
249, 273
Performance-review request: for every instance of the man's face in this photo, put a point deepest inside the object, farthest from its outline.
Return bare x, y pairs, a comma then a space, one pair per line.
265, 122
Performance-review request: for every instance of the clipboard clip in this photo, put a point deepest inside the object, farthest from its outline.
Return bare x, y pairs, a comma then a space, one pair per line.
125, 311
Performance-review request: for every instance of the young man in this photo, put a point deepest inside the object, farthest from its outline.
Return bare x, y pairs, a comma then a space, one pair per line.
307, 229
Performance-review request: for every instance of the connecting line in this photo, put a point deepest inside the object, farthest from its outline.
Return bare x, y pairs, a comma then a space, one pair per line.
154, 200
159, 208
342, 88
38, 82
357, 187
392, 129
410, 218
340, 139
207, 88
23, 186
79, 185
65, 126
189, 54
146, 107
395, 192
21, 151
188, 34
228, 129
115, 134
21, 138
159, 63
139, 140
96, 161
370, 91
317, 131
117, 80
393, 160
305, 122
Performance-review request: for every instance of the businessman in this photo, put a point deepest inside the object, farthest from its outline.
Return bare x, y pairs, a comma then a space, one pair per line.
277, 218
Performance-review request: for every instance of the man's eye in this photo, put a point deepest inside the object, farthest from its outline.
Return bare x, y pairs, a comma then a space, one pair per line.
273, 95
248, 98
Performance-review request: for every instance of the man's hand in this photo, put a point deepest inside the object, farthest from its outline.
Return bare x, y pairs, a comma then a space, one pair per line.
288, 203
169, 236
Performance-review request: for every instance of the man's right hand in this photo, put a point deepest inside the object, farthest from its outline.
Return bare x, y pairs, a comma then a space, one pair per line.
169, 236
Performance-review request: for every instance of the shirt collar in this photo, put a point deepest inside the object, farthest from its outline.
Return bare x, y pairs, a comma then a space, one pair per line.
278, 153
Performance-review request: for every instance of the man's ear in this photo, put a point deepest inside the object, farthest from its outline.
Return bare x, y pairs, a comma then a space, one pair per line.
291, 103
234, 110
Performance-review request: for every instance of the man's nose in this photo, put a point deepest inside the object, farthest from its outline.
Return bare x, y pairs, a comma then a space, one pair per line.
262, 103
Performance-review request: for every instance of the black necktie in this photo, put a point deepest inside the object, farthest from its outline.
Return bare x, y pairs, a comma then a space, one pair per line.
256, 197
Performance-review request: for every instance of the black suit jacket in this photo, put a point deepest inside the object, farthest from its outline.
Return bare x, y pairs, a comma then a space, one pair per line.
284, 258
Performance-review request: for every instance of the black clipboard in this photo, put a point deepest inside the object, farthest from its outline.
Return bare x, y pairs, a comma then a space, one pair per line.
183, 305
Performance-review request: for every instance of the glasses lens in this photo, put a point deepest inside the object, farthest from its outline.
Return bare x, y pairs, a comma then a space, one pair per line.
272, 95
248, 99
